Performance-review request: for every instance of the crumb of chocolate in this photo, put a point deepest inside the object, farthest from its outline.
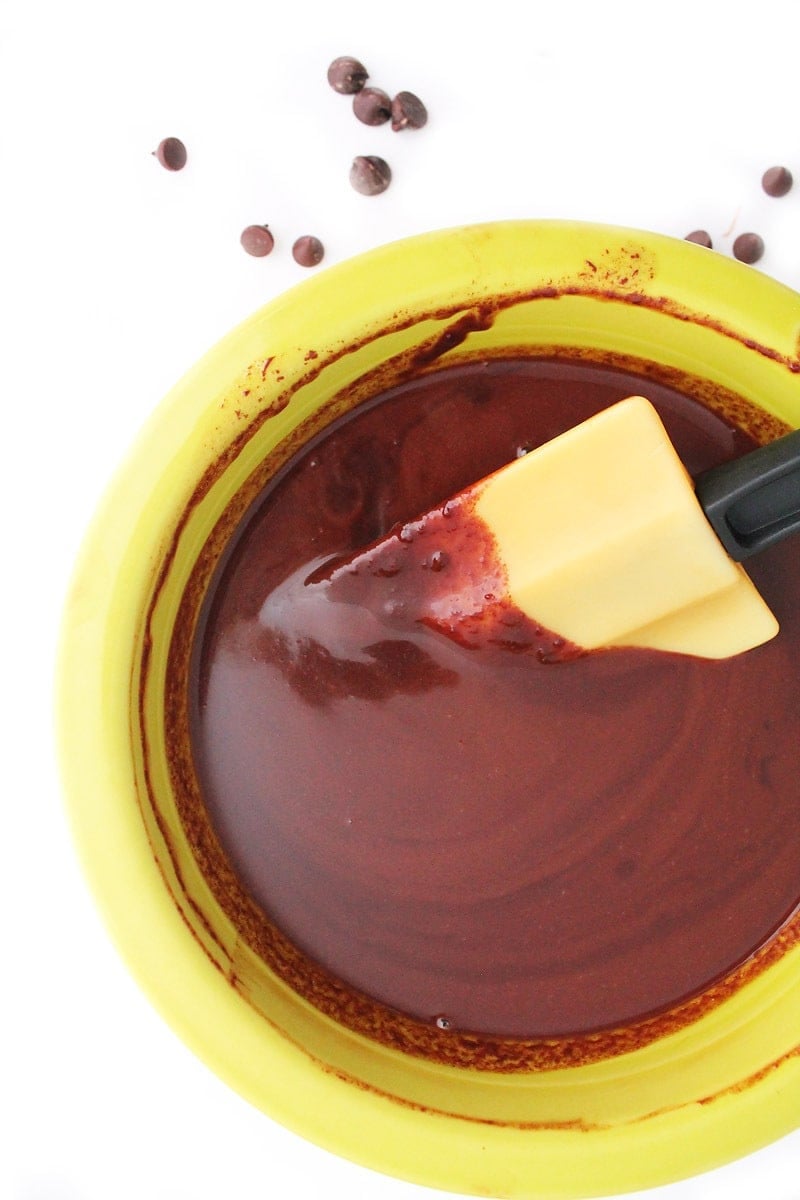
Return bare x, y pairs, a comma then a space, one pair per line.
777, 181
700, 237
370, 175
308, 251
748, 247
372, 106
171, 153
347, 75
257, 240
408, 112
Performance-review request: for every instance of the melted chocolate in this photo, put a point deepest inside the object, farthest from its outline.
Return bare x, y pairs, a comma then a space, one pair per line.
491, 832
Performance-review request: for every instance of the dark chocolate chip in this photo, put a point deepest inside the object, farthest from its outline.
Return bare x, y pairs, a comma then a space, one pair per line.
308, 251
171, 153
372, 106
370, 175
776, 181
700, 237
748, 247
347, 75
257, 240
408, 112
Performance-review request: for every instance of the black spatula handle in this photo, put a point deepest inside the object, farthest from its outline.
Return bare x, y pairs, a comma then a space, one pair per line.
754, 501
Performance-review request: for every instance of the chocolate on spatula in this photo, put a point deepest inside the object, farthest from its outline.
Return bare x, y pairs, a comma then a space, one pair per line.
600, 537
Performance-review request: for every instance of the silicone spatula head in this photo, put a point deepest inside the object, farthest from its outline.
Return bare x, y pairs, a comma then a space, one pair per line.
603, 539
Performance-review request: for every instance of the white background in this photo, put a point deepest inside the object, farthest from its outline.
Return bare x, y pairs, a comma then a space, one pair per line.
115, 275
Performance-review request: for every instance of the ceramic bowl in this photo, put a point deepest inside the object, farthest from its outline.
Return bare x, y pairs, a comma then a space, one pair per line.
630, 1116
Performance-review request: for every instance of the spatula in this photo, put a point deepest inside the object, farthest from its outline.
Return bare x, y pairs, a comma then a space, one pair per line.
602, 536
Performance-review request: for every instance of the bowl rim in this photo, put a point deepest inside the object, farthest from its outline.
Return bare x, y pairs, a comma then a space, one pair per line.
94, 733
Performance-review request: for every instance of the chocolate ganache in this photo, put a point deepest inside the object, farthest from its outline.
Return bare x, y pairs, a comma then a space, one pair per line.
496, 832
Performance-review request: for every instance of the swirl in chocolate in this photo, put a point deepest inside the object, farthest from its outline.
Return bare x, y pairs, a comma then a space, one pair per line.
485, 826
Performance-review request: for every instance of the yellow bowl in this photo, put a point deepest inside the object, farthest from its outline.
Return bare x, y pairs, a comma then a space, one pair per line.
705, 1091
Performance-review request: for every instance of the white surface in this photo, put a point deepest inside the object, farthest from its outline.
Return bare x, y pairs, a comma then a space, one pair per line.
116, 275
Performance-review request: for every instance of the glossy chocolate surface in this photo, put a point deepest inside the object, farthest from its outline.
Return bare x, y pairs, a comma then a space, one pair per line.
468, 831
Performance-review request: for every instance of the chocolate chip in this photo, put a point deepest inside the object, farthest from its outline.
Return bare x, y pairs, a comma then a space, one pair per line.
308, 251
347, 75
748, 247
257, 240
408, 112
776, 181
171, 153
700, 237
372, 106
370, 175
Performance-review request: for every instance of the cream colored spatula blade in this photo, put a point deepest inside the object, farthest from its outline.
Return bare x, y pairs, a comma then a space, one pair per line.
603, 540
